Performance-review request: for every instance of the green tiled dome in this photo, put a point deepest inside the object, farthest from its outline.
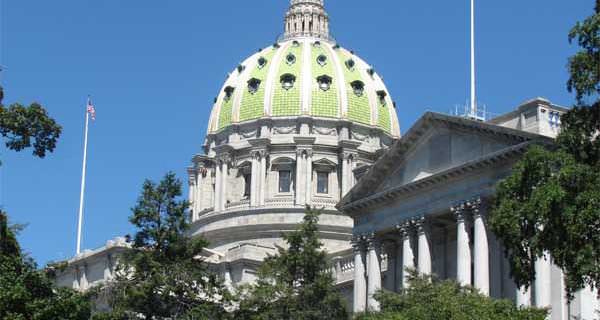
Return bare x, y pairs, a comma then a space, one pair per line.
305, 76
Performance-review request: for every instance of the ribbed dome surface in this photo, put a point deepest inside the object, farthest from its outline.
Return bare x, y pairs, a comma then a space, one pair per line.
305, 77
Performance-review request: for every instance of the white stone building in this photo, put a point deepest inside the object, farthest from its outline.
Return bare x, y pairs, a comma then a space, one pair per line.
424, 204
305, 122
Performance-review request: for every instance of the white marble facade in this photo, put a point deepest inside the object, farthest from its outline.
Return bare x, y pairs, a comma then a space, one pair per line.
424, 206
251, 188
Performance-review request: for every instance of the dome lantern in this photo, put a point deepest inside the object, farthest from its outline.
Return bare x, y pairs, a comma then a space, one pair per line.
306, 18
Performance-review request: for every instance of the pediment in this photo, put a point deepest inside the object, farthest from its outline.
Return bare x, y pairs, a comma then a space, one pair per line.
435, 144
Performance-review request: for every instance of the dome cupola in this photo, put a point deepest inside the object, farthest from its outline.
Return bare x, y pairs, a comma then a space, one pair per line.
306, 18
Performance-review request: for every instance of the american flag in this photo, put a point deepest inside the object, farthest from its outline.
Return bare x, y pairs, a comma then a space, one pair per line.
91, 110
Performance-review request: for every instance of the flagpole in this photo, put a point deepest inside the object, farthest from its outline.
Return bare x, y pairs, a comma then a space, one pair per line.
80, 219
473, 87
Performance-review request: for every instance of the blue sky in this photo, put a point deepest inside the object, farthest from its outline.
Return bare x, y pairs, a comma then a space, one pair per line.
153, 68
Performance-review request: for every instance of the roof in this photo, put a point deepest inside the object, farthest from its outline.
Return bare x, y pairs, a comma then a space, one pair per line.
365, 187
303, 77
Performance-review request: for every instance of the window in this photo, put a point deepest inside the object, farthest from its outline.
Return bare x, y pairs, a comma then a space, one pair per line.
262, 62
381, 95
323, 182
322, 60
285, 181
247, 184
287, 81
324, 82
290, 59
253, 85
241, 68
358, 87
350, 64
229, 92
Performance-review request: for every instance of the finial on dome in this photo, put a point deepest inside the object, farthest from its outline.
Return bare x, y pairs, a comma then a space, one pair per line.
306, 18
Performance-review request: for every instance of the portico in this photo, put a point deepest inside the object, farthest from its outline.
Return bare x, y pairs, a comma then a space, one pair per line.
424, 206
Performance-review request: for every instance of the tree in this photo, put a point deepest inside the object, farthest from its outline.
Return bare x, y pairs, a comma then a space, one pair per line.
294, 284
28, 293
430, 298
25, 127
162, 276
549, 204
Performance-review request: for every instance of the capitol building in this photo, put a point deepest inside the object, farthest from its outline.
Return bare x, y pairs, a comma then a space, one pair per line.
306, 122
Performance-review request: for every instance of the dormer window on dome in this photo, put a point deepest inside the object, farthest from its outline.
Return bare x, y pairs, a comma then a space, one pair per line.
358, 87
371, 72
290, 59
350, 64
241, 68
253, 85
287, 81
324, 82
381, 94
229, 92
322, 60
296, 43
317, 43
262, 62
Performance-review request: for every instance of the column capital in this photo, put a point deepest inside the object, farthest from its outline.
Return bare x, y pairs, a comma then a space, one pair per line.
476, 206
421, 224
404, 228
373, 242
459, 210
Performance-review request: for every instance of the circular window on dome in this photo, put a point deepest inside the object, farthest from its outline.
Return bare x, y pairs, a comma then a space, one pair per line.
296, 43
358, 87
350, 64
253, 85
290, 58
287, 81
262, 62
324, 82
322, 60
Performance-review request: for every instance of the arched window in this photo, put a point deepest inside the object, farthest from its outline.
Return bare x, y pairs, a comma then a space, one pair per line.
358, 87
350, 64
324, 82
381, 95
253, 85
262, 62
229, 92
287, 81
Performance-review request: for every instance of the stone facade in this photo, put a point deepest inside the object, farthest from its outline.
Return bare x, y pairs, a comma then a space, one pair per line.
424, 205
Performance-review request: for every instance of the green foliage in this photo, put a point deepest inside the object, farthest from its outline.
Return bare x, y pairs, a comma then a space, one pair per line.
583, 66
28, 293
294, 284
550, 202
25, 127
428, 298
161, 277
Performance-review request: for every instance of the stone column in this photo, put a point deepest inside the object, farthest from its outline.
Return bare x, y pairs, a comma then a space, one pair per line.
198, 194
481, 251
83, 281
299, 186
192, 192
309, 177
424, 253
408, 256
373, 272
254, 181
524, 297
224, 176
463, 250
262, 178
218, 183
543, 288
345, 169
360, 282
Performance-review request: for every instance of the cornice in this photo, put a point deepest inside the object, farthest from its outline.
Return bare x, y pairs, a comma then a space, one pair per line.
356, 207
